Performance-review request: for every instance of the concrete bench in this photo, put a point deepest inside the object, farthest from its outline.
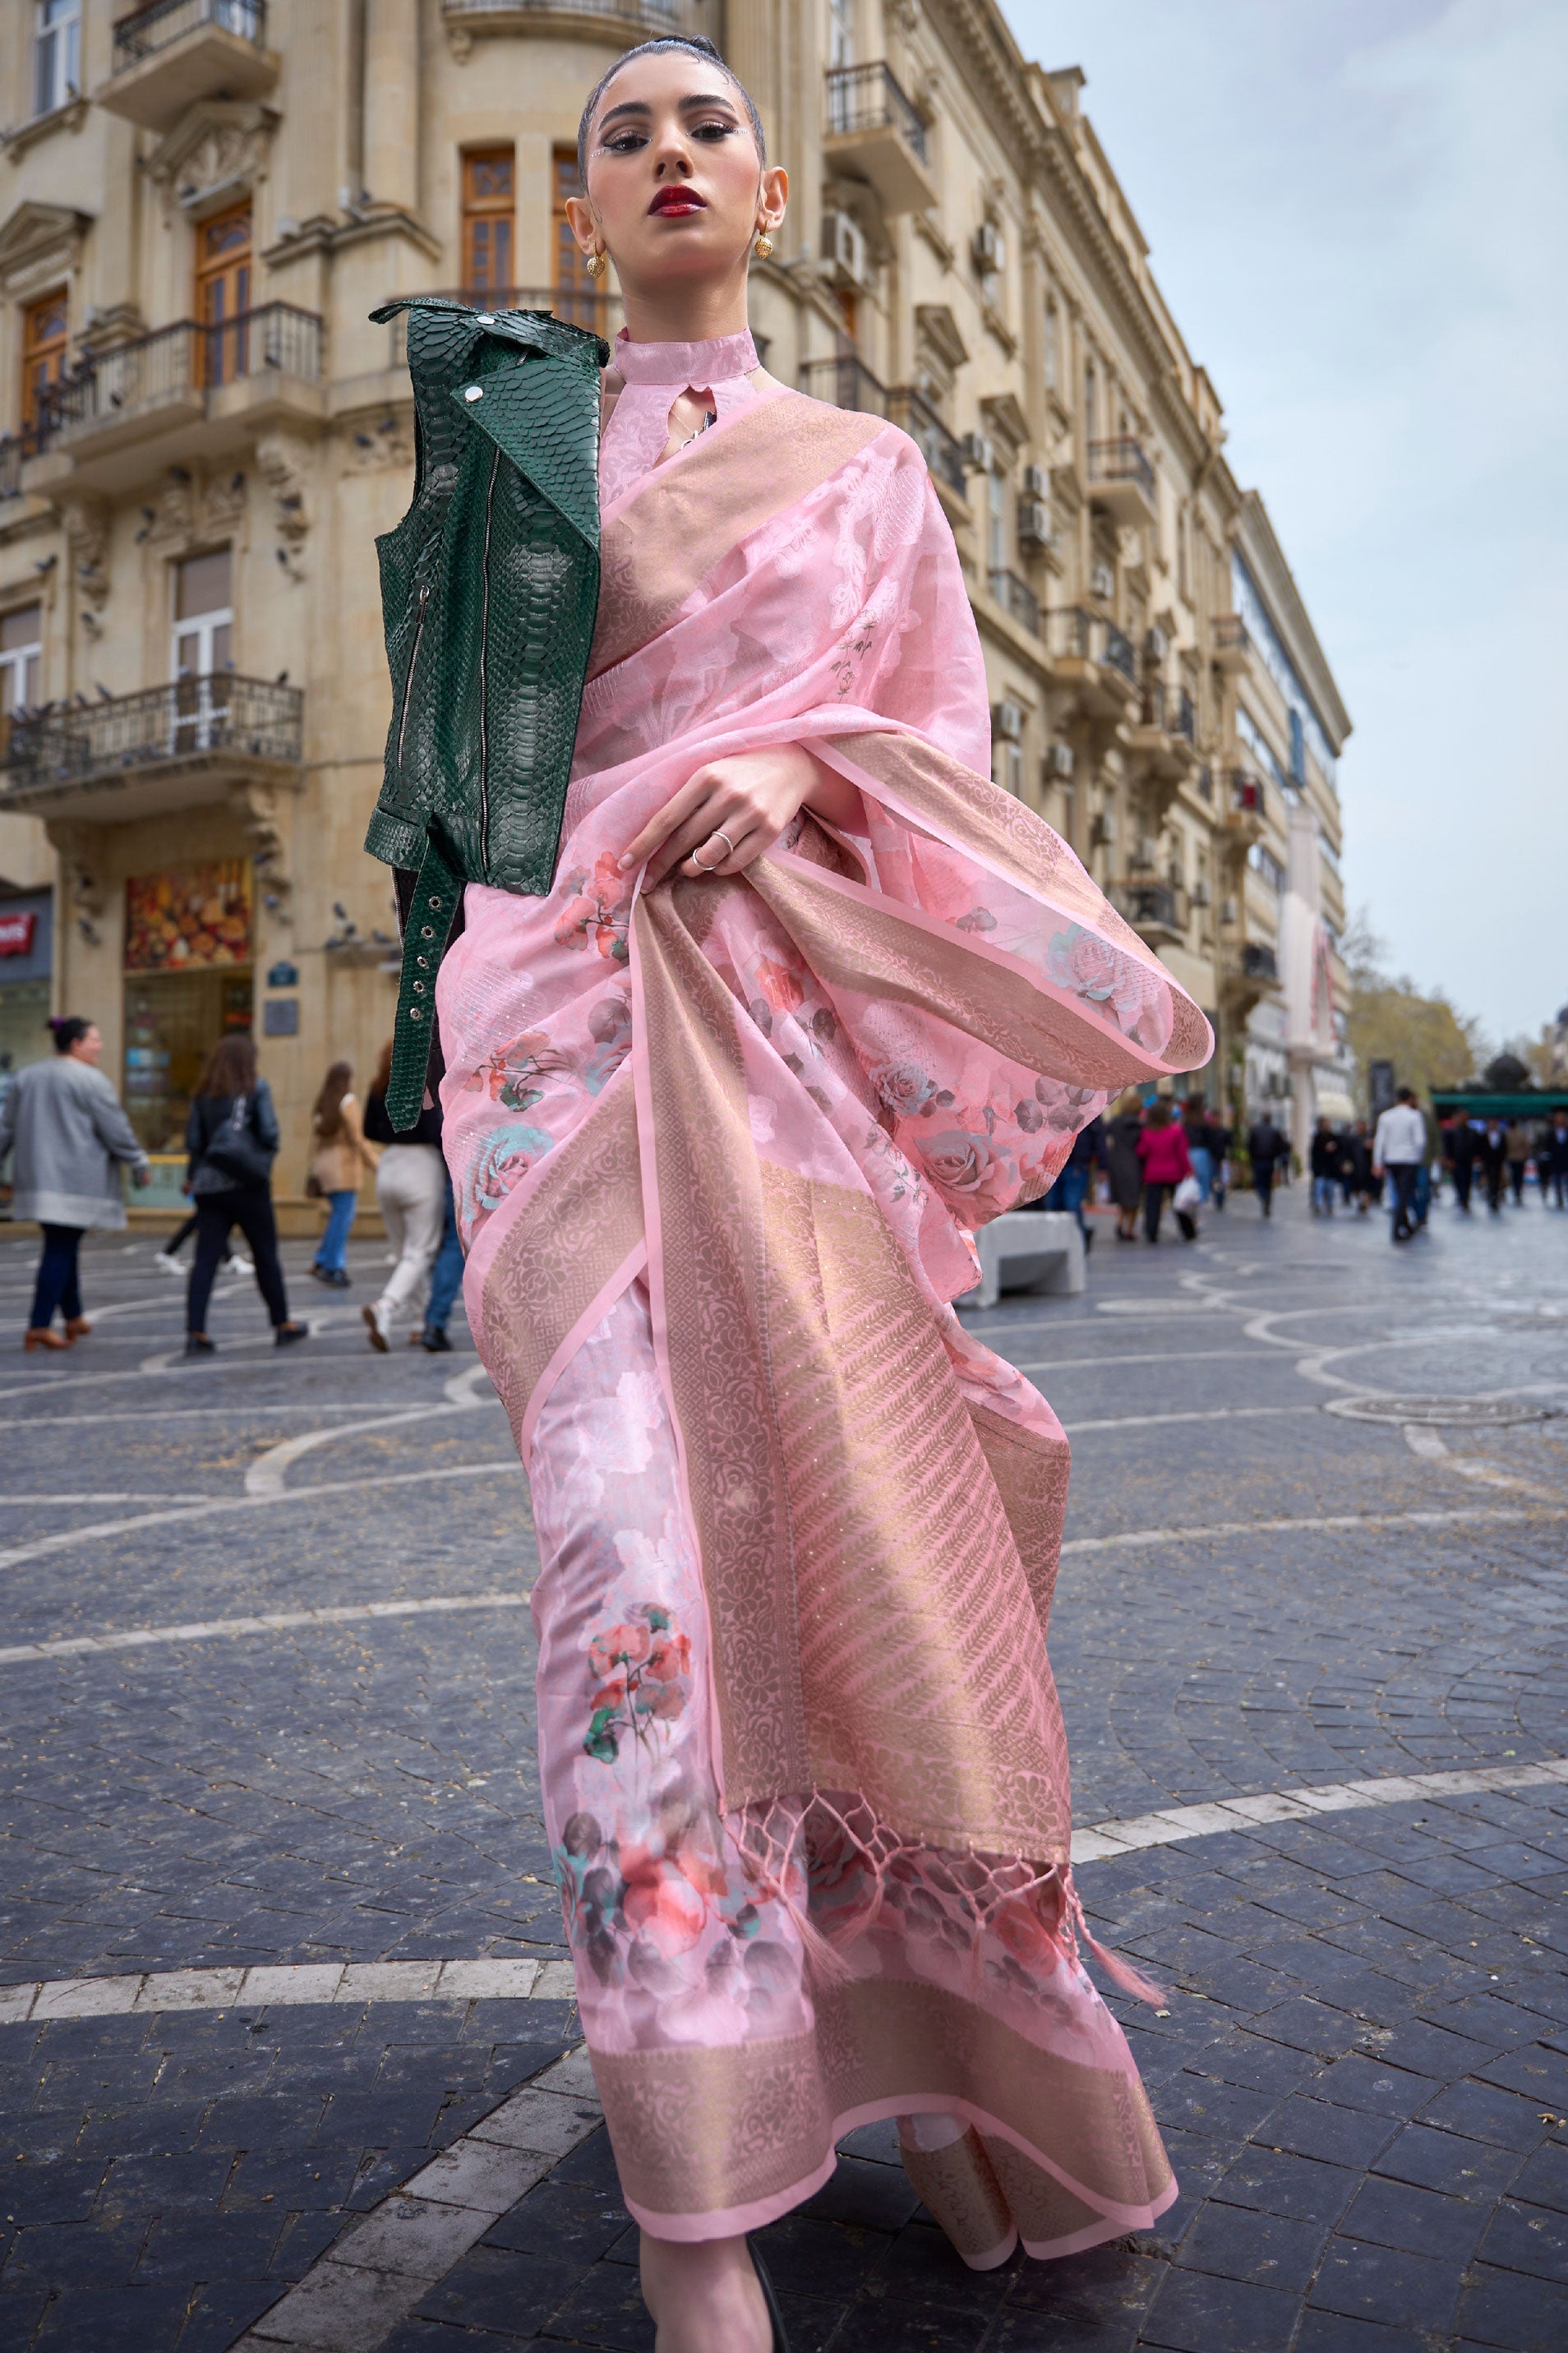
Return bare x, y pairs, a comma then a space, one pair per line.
1028, 1250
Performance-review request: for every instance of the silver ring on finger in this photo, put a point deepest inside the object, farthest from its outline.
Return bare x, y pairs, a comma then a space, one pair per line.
714, 865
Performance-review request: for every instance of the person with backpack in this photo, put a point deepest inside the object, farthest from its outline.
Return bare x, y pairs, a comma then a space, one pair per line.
232, 1138
1327, 1152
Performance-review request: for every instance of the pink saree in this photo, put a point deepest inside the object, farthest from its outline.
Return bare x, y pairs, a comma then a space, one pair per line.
718, 1150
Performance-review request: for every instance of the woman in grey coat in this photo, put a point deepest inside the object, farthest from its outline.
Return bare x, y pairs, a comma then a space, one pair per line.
63, 1122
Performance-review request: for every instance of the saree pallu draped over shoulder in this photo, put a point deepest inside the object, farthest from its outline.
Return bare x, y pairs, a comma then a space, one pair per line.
719, 1148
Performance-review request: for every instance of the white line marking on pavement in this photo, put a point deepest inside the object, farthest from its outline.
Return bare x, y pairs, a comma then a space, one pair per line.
376, 2272
290, 1985
68, 1538
1473, 1515
140, 1637
1210, 1413
30, 1502
1175, 1823
298, 1984
266, 1474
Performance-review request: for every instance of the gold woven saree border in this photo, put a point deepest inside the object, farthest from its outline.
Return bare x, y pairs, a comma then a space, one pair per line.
578, 1228
874, 1627
662, 544
971, 815
702, 2131
852, 938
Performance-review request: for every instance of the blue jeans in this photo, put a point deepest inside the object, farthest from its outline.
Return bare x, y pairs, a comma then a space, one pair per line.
447, 1274
1202, 1159
1422, 1201
333, 1249
1068, 1193
57, 1285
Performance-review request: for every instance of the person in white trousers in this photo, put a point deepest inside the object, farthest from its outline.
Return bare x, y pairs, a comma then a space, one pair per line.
411, 1191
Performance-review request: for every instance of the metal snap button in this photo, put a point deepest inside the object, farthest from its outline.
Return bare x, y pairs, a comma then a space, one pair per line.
474, 392
485, 319
428, 931
417, 1013
437, 904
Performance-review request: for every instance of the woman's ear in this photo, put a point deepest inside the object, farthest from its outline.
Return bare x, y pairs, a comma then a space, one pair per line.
583, 227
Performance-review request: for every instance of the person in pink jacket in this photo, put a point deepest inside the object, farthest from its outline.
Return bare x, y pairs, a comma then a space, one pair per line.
1163, 1149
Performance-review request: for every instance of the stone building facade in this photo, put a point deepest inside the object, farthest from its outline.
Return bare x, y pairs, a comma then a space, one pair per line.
200, 202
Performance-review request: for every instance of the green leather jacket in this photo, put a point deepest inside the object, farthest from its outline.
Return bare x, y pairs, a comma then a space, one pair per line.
490, 592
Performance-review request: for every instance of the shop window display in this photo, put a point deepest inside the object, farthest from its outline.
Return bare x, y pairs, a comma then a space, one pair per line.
187, 984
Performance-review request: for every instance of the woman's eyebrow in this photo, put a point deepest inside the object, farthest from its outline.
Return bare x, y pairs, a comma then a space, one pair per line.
639, 106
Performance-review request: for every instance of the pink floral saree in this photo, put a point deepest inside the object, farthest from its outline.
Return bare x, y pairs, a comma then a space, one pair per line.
719, 1148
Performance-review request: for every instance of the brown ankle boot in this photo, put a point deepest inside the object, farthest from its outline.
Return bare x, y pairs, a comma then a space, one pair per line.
76, 1327
41, 1335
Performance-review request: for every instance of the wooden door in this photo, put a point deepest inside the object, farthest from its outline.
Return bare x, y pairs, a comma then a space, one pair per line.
223, 295
44, 346
488, 222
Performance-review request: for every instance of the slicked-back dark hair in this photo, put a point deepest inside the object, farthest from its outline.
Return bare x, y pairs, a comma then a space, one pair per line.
696, 45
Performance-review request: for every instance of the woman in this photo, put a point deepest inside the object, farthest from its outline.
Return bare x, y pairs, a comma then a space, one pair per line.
231, 1140
1326, 1154
810, 998
71, 1138
1123, 1167
341, 1157
1165, 1160
411, 1190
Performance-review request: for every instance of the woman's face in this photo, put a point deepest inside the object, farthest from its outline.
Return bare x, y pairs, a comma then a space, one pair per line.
676, 188
89, 1046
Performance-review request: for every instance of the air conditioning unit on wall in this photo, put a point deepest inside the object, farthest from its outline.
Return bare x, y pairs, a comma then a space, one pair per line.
1102, 582
990, 248
1058, 760
1154, 645
1033, 523
1037, 482
979, 454
1007, 721
1103, 831
844, 249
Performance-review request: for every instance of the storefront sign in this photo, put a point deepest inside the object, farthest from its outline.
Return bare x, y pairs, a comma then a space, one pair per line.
282, 976
17, 933
188, 918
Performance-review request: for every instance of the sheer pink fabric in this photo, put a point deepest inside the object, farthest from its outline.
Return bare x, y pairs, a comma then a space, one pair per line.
718, 1152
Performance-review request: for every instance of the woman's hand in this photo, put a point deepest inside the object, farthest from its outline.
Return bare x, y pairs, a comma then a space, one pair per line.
731, 811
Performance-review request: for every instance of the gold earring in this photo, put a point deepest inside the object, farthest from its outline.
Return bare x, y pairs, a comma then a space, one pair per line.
593, 263
764, 246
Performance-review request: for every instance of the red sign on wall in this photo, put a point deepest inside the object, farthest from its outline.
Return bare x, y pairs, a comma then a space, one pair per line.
16, 933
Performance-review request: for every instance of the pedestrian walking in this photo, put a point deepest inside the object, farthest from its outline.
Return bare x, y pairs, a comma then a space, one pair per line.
1266, 1147
1072, 1186
1358, 1155
63, 1123
1517, 1145
1167, 1163
1219, 1153
445, 1281
1396, 1151
409, 1189
231, 1140
1459, 1157
1122, 1165
1327, 1156
1491, 1159
1421, 1200
341, 1157
1200, 1150
1553, 1160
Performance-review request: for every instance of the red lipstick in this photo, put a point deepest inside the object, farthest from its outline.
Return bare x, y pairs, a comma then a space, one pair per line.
678, 202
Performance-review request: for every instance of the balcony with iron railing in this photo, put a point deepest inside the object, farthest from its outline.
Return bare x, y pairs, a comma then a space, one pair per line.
1094, 657
16, 449
1184, 718
846, 382
171, 54
1154, 909
875, 132
639, 19
1258, 961
212, 386
1121, 480
167, 748
1016, 598
1232, 644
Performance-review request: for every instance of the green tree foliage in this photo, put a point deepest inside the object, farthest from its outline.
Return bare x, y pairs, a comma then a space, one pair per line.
1391, 1020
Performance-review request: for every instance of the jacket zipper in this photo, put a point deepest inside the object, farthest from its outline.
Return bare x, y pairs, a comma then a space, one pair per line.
484, 654
412, 665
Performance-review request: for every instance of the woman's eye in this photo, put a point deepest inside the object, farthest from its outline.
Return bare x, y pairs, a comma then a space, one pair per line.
624, 143
714, 130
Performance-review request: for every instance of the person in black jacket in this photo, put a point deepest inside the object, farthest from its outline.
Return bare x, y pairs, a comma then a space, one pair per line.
231, 1137
1327, 1152
1265, 1145
1552, 1159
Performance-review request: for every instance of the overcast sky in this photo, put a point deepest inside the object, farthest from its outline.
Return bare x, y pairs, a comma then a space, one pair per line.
1358, 211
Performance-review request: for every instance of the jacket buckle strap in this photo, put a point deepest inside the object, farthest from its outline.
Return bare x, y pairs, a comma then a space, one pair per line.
433, 909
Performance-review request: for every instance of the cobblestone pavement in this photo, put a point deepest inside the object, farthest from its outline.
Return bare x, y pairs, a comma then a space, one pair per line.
1363, 2072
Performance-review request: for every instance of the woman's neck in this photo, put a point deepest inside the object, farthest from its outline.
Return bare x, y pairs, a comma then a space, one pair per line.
686, 313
